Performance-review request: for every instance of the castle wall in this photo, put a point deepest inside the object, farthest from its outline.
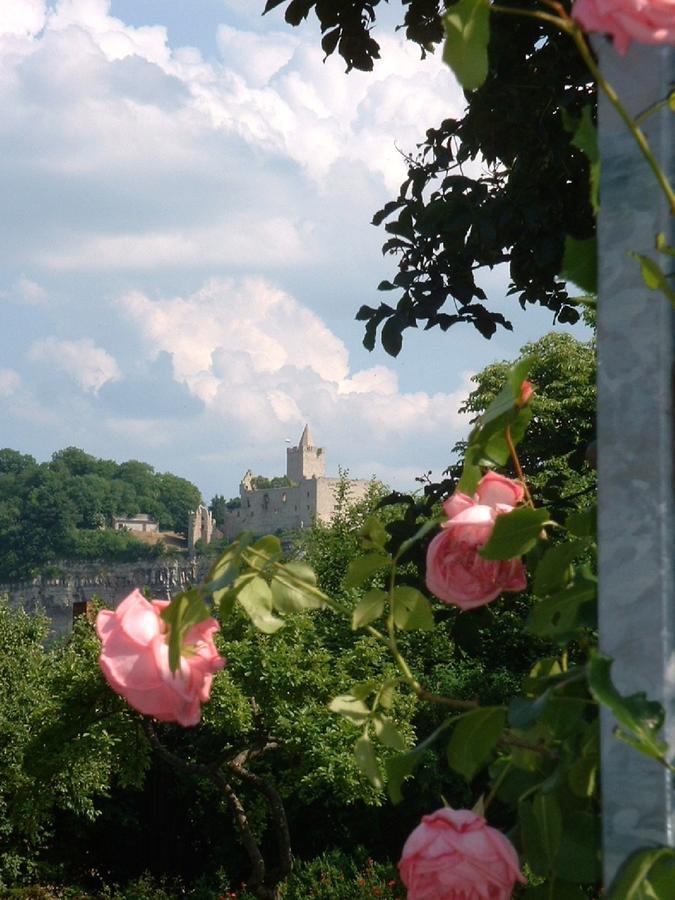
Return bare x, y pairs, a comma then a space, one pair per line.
305, 462
274, 509
111, 582
326, 495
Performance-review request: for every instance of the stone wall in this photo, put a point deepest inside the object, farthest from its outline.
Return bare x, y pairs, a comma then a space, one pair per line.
77, 581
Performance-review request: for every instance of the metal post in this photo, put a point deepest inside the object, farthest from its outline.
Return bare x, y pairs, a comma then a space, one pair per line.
636, 343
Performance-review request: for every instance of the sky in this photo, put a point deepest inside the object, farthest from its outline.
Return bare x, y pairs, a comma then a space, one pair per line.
187, 190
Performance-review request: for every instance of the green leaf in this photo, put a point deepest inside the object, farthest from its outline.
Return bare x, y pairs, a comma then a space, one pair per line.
582, 523
471, 475
268, 546
637, 716
534, 849
373, 534
363, 567
559, 890
429, 526
412, 610
474, 739
662, 245
578, 858
398, 768
548, 817
350, 707
515, 533
580, 263
366, 760
645, 875
184, 611
255, 598
653, 276
291, 588
363, 689
554, 569
586, 139
369, 608
558, 617
583, 776
388, 733
467, 34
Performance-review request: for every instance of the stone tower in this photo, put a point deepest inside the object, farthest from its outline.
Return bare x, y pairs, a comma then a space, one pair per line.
305, 461
200, 527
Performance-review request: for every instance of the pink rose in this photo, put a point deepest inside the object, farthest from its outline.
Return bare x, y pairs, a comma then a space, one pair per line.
644, 21
135, 660
455, 571
453, 854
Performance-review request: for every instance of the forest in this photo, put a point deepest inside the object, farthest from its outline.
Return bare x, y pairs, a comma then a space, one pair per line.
63, 509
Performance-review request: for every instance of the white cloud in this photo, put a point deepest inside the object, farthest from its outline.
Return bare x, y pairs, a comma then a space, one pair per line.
10, 382
29, 291
90, 366
260, 359
21, 17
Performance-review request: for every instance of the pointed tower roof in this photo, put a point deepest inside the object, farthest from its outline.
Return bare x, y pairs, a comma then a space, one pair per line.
306, 438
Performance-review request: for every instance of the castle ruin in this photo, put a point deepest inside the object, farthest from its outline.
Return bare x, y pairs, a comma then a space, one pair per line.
311, 496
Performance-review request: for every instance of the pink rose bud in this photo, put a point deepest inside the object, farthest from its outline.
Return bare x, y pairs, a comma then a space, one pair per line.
454, 854
644, 21
525, 396
135, 660
455, 572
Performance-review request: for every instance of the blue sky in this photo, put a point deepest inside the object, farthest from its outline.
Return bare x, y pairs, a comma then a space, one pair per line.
188, 191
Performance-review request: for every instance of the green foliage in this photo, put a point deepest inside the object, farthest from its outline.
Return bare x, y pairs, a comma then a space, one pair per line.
645, 875
59, 509
467, 34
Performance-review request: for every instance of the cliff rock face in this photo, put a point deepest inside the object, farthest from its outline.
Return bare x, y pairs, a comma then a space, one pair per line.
111, 582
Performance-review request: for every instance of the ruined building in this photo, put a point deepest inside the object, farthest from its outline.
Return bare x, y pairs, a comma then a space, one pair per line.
311, 496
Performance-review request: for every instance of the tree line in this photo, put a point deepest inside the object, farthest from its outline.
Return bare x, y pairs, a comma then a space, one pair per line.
63, 509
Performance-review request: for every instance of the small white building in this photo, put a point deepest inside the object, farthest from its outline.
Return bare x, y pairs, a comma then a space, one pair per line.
141, 522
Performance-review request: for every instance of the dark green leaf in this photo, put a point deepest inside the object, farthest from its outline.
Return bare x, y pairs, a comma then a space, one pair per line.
467, 33
582, 522
554, 569
645, 875
580, 263
474, 739
548, 817
412, 610
639, 717
429, 526
562, 616
369, 608
578, 858
515, 533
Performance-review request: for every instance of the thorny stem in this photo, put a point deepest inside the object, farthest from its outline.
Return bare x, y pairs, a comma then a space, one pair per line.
517, 466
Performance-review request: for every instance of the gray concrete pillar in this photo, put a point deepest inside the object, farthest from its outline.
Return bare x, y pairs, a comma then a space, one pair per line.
636, 330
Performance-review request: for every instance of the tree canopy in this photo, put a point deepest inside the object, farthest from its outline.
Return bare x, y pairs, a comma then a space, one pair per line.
63, 508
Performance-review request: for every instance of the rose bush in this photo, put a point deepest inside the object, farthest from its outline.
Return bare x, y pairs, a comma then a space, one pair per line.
644, 21
454, 854
455, 572
135, 660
